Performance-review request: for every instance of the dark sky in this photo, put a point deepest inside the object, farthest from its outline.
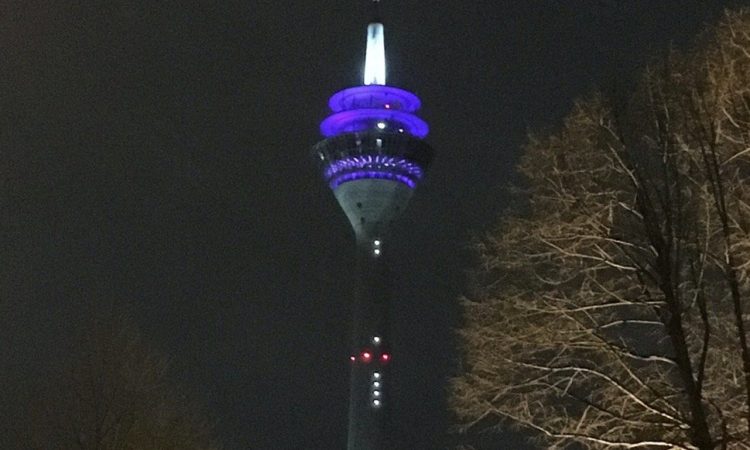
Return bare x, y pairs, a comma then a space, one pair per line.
157, 155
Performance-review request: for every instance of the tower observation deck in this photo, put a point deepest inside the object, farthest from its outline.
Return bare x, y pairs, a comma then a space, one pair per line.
373, 156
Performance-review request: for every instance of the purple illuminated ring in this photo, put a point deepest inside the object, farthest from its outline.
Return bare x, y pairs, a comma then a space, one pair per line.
369, 175
361, 119
373, 166
374, 96
373, 162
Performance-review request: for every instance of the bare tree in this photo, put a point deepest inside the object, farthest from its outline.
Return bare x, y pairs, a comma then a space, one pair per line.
115, 393
613, 313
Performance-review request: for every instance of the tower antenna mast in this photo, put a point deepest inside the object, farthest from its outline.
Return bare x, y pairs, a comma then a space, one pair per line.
376, 11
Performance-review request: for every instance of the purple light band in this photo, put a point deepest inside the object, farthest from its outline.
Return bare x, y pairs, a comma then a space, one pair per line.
364, 174
374, 96
373, 166
379, 162
362, 119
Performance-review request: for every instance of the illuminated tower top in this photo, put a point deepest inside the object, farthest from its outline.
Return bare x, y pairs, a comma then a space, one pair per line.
374, 138
375, 59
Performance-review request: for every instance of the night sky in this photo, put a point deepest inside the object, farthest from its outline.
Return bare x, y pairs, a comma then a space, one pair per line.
156, 155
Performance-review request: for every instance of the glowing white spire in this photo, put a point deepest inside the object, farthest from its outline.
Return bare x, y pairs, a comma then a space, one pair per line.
375, 59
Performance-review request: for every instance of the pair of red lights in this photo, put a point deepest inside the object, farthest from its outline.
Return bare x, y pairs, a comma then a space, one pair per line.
367, 357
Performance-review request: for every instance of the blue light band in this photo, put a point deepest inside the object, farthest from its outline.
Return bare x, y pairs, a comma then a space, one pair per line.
363, 119
373, 166
374, 96
369, 175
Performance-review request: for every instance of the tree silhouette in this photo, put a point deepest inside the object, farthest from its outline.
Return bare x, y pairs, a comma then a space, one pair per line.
114, 393
613, 312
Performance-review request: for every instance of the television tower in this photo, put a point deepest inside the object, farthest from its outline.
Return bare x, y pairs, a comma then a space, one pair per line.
373, 156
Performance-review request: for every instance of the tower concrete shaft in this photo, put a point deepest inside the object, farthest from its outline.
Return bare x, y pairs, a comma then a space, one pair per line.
369, 390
